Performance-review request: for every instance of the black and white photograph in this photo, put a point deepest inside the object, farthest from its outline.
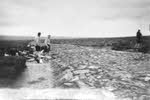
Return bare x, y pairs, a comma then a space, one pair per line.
74, 49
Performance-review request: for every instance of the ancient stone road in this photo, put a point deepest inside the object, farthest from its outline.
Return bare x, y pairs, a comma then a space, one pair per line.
126, 74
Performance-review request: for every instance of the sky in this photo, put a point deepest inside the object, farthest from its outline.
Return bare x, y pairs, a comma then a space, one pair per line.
74, 18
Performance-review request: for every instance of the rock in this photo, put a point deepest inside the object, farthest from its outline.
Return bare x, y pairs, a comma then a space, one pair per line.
140, 84
88, 74
94, 72
98, 77
75, 78
82, 84
81, 71
41, 61
91, 84
110, 88
66, 70
126, 77
147, 78
93, 67
82, 67
82, 76
30, 60
105, 80
68, 84
71, 68
100, 70
91, 79
67, 76
122, 75
144, 97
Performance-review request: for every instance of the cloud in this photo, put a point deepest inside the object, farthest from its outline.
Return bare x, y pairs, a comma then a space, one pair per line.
130, 3
102, 9
72, 16
124, 13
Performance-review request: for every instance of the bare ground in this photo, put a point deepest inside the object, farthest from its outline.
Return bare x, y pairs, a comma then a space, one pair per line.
126, 74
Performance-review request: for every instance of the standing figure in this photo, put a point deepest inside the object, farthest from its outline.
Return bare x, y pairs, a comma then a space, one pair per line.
139, 36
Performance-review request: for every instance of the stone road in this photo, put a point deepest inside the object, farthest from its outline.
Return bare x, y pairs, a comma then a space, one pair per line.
127, 74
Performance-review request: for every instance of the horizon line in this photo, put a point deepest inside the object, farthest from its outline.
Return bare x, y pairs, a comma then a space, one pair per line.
72, 37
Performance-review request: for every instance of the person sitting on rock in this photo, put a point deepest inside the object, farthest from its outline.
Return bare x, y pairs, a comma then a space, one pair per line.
48, 43
38, 42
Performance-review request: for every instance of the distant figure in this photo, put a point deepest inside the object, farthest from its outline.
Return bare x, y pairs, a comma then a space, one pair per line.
48, 43
139, 36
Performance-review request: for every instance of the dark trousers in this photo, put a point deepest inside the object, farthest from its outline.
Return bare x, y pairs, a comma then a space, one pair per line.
38, 48
45, 48
139, 40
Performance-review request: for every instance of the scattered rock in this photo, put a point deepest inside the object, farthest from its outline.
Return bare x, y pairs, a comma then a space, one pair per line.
98, 68
98, 77
82, 67
147, 78
81, 71
144, 97
88, 74
67, 76
68, 84
139, 83
75, 78
81, 84
93, 67
82, 76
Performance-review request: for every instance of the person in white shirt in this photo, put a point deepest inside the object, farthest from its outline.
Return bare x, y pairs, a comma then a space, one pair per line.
48, 43
38, 42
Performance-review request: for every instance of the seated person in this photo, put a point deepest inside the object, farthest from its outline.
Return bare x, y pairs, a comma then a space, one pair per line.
38, 45
48, 43
38, 42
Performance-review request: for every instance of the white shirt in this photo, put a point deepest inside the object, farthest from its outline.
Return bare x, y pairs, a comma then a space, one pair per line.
47, 41
37, 40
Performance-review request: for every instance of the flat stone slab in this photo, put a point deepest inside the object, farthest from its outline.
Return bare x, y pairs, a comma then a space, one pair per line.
81, 71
